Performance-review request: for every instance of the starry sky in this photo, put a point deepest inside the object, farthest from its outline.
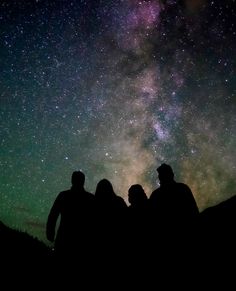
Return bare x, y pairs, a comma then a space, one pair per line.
114, 88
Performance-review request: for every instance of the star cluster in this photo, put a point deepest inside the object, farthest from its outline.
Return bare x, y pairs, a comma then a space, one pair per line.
114, 88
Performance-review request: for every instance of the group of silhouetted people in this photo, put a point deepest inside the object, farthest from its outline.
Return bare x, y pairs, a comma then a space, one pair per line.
100, 227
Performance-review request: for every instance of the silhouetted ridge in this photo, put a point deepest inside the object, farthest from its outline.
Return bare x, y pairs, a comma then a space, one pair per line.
220, 220
217, 241
16, 241
22, 256
226, 208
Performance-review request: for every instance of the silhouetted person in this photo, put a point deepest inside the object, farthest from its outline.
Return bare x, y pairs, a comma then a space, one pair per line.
105, 194
110, 207
174, 215
172, 201
138, 232
76, 210
110, 221
137, 196
138, 210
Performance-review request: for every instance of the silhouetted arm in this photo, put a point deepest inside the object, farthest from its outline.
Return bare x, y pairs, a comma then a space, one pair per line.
52, 219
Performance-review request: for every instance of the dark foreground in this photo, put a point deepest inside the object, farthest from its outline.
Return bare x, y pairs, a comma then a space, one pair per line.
204, 258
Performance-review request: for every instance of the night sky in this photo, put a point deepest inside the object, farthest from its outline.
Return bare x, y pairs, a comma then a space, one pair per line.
114, 88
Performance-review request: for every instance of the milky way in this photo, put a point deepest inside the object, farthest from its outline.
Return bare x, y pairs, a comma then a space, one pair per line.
114, 88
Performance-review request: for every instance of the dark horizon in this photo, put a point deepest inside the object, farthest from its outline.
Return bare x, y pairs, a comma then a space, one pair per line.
215, 211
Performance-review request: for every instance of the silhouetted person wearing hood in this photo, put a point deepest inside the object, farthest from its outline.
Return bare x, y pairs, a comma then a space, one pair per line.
76, 210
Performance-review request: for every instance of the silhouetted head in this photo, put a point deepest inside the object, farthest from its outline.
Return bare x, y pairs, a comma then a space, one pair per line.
78, 179
104, 189
165, 174
137, 195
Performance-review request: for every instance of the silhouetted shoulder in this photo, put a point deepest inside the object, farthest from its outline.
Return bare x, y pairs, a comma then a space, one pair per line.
155, 193
183, 186
184, 190
121, 201
187, 199
90, 195
62, 196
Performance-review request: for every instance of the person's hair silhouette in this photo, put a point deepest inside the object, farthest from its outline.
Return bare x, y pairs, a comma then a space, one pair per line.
104, 190
137, 196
